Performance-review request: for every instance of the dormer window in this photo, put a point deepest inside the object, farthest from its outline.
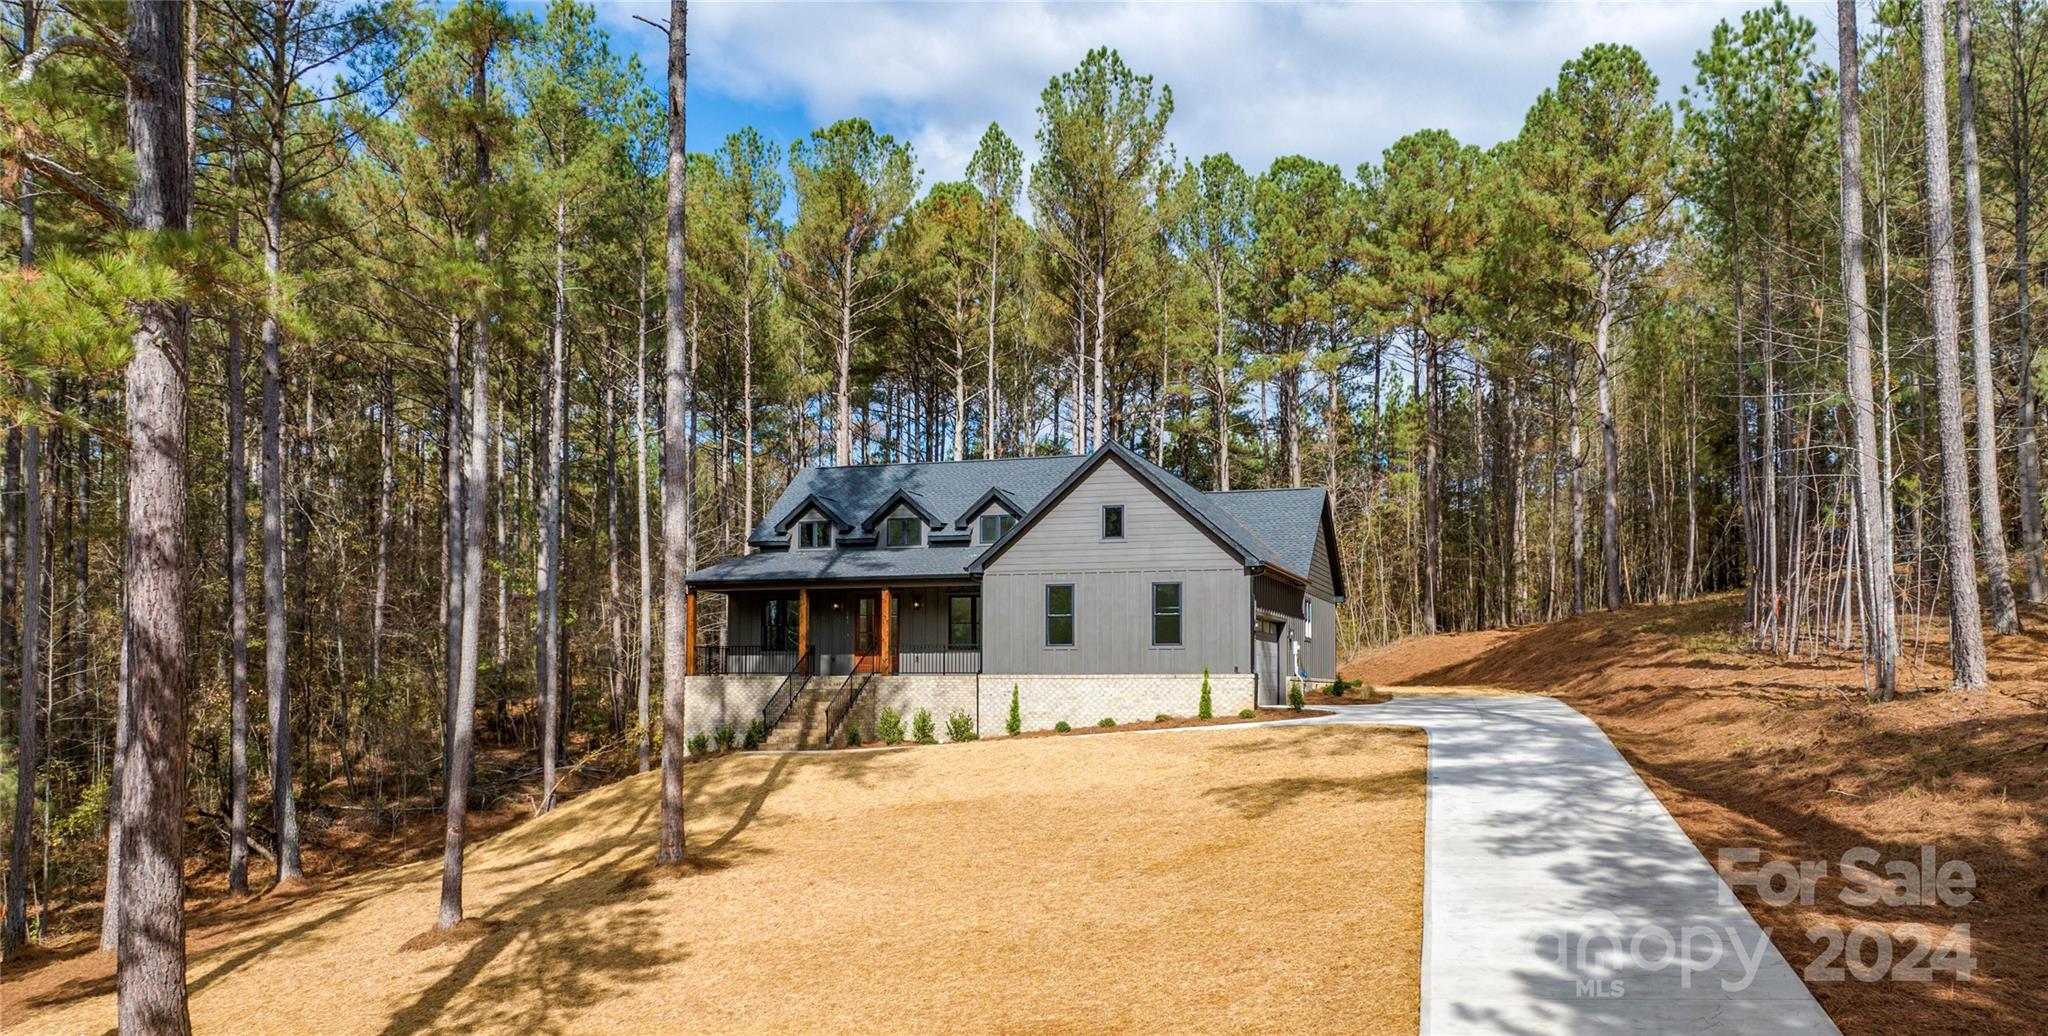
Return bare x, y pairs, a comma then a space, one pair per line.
902, 532
994, 525
814, 534
1113, 522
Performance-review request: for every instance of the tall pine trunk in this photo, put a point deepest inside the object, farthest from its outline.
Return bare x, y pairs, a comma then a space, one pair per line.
26, 770
238, 610
1610, 445
2022, 165
462, 691
1880, 617
547, 626
150, 976
645, 738
284, 812
675, 504
1966, 634
2005, 617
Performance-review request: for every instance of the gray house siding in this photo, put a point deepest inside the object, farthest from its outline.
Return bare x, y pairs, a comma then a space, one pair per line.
1319, 577
1112, 582
1282, 602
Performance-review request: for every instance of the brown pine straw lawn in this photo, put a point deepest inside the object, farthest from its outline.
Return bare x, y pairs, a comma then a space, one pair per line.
1223, 880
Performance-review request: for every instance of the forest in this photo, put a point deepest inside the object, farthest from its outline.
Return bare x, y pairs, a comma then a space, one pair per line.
373, 372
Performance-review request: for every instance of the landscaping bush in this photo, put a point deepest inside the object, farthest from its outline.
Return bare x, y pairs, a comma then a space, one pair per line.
853, 735
1106, 722
757, 732
700, 745
889, 729
1061, 726
1015, 723
1162, 718
725, 735
1245, 714
922, 729
1207, 710
1294, 700
1337, 689
960, 727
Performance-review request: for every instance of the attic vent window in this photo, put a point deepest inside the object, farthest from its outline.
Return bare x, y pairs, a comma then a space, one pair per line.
1113, 522
813, 535
902, 532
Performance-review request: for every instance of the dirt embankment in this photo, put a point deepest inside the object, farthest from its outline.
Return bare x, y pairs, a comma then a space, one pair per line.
1787, 756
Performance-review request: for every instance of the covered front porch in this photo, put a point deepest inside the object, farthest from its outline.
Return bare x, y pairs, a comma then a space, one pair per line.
835, 630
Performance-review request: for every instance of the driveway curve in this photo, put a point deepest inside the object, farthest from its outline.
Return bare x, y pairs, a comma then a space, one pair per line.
1561, 897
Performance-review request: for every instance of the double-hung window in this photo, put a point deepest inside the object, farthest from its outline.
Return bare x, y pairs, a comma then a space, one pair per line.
1059, 615
902, 532
1166, 615
813, 535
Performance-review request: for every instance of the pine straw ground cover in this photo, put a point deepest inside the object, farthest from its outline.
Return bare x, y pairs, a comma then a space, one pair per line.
1198, 881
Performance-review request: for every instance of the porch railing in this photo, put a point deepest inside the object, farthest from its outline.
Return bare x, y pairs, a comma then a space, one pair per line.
937, 659
744, 659
785, 693
849, 693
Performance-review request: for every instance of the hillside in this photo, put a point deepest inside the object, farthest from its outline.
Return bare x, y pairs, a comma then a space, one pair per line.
1788, 757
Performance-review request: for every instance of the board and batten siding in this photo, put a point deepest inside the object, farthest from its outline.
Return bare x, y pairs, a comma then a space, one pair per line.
1112, 582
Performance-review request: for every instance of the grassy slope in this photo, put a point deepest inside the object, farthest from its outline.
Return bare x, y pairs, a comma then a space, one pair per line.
1788, 757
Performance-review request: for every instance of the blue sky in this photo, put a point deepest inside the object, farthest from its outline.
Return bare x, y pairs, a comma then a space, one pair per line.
1338, 82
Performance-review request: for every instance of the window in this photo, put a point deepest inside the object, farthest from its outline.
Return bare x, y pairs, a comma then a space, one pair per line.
963, 621
778, 625
993, 526
1059, 615
1113, 522
813, 534
902, 532
1166, 615
1308, 617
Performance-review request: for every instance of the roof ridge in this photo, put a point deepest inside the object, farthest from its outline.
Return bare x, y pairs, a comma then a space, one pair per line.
936, 463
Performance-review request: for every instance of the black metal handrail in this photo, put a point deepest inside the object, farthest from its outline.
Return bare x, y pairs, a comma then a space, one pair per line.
786, 692
730, 659
936, 659
849, 692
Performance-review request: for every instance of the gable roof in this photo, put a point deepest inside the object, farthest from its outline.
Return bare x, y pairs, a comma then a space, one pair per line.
1271, 530
1199, 507
1290, 521
939, 490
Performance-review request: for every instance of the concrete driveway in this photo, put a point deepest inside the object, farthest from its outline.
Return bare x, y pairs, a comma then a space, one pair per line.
1561, 897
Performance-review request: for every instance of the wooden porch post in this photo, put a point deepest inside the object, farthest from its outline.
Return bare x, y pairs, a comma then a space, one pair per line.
690, 632
886, 663
803, 623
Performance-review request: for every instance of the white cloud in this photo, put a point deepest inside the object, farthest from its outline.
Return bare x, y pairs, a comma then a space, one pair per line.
1337, 82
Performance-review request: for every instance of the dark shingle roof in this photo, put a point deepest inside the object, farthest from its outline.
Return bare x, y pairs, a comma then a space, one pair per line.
1276, 528
943, 490
815, 566
1288, 521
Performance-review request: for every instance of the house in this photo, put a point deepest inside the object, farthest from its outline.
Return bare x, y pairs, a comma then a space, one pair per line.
1094, 586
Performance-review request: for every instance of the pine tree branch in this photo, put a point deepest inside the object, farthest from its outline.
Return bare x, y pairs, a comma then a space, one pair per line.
73, 183
36, 57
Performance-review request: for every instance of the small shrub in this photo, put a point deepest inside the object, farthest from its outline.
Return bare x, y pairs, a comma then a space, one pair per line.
1106, 721
853, 735
1015, 723
889, 729
1245, 714
922, 729
1162, 718
700, 745
1337, 689
1294, 699
1208, 709
725, 735
960, 727
757, 732
1061, 726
